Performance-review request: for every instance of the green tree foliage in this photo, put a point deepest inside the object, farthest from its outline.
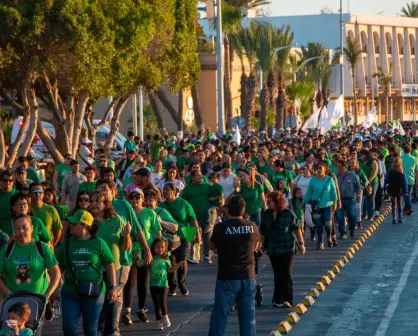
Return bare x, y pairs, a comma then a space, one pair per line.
410, 10
353, 52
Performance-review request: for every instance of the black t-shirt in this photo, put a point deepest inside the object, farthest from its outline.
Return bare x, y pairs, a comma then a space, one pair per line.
235, 241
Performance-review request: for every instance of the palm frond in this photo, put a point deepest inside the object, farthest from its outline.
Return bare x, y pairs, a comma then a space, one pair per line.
352, 51
410, 10
247, 4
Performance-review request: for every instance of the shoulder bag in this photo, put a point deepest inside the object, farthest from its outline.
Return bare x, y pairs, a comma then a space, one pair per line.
86, 288
315, 204
173, 239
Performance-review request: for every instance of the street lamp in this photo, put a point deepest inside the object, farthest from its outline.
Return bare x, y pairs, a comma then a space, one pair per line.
219, 66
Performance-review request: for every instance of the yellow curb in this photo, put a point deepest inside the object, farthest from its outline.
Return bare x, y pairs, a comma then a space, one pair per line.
292, 318
336, 269
331, 275
356, 247
362, 239
345, 259
349, 255
284, 327
351, 250
308, 301
319, 286
275, 333
315, 292
301, 309
326, 280
340, 264
358, 243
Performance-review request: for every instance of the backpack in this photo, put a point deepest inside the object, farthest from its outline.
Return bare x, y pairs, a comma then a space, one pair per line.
395, 183
11, 245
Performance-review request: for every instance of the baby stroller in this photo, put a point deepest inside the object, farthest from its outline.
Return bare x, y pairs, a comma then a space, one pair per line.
37, 304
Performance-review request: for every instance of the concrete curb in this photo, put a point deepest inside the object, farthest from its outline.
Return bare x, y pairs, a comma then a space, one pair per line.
301, 309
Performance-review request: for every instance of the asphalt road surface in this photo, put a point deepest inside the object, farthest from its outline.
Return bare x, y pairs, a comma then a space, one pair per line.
354, 304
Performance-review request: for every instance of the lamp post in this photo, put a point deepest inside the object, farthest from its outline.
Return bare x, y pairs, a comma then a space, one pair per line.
141, 113
219, 66
342, 54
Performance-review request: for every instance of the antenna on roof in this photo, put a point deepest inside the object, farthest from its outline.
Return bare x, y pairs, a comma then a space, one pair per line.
381, 12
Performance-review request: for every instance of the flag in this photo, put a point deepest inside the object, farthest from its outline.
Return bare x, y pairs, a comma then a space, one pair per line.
368, 122
312, 122
338, 108
237, 136
397, 125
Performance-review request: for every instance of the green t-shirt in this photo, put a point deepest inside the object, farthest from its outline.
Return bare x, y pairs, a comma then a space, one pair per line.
410, 167
62, 210
284, 175
188, 179
62, 170
415, 153
182, 212
33, 175
5, 208
323, 191
110, 163
88, 187
216, 190
150, 225
367, 169
385, 152
165, 215
39, 230
183, 162
266, 170
158, 271
25, 269
111, 231
124, 209
49, 217
198, 197
7, 331
252, 198
4, 238
88, 258
129, 145
155, 148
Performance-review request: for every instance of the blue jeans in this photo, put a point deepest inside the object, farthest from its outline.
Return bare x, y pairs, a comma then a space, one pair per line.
368, 203
348, 208
109, 318
407, 197
321, 220
256, 218
204, 224
242, 292
73, 306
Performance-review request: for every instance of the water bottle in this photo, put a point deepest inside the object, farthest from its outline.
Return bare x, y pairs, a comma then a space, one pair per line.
57, 310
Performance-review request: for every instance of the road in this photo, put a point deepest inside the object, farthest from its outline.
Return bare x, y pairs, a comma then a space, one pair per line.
369, 272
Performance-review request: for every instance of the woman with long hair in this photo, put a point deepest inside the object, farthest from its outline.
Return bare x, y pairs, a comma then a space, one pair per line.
397, 186
227, 179
281, 236
322, 195
173, 176
116, 233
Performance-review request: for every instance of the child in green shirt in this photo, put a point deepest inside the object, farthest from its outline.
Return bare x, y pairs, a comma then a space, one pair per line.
217, 191
19, 314
159, 267
296, 206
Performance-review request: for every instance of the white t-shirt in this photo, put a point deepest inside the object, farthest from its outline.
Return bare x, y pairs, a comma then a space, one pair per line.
156, 177
227, 184
179, 185
302, 182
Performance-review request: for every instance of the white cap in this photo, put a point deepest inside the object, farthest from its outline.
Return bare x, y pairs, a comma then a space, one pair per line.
86, 141
288, 129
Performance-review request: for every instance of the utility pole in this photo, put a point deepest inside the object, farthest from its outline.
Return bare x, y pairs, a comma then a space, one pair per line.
342, 55
141, 113
134, 115
219, 63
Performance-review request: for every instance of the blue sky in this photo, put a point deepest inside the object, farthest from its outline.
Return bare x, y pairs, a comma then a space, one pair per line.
300, 7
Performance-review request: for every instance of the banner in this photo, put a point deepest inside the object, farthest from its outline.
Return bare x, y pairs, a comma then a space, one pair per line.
312, 122
397, 125
368, 122
237, 136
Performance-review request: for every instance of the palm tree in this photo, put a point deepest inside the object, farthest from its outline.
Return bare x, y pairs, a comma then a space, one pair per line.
353, 53
247, 4
386, 79
284, 39
198, 115
410, 10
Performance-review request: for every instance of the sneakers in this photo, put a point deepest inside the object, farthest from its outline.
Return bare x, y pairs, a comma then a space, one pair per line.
166, 321
329, 242
159, 325
359, 225
320, 246
408, 211
376, 213
351, 233
400, 221
49, 312
184, 291
192, 261
394, 221
172, 292
208, 260
287, 304
126, 318
344, 237
334, 242
142, 317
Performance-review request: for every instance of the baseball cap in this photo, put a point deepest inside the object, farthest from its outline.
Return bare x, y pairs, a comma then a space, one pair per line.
81, 216
86, 141
20, 170
142, 172
137, 190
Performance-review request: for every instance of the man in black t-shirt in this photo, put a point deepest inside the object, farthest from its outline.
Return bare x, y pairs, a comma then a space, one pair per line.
236, 240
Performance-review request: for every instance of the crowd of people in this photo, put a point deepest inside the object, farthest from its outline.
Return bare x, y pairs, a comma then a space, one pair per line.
137, 222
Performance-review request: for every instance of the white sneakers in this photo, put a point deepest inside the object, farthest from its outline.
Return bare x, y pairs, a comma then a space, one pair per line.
164, 323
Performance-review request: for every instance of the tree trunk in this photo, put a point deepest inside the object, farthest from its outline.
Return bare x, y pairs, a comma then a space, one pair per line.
49, 143
271, 85
251, 88
114, 123
80, 110
22, 131
281, 107
69, 120
196, 107
244, 79
169, 106
231, 61
154, 105
33, 124
180, 111
264, 104
354, 100
227, 84
2, 148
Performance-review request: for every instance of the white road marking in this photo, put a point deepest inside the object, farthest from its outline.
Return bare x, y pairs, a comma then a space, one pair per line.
394, 300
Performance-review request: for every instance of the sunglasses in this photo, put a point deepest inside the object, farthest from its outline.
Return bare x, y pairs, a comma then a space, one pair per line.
69, 158
83, 199
102, 161
8, 180
135, 197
